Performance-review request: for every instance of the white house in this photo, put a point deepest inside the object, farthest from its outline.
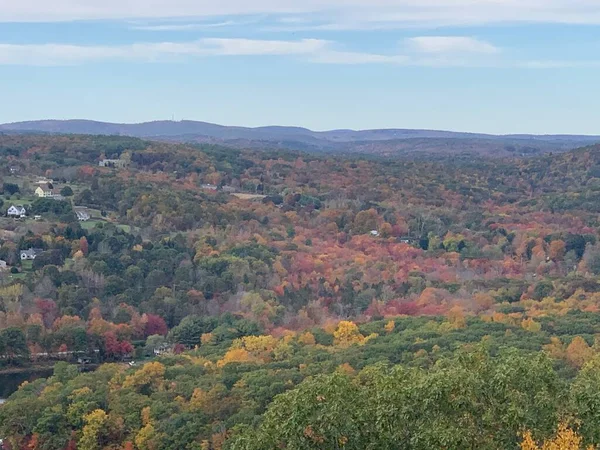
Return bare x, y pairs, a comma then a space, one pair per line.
82, 216
16, 211
3, 265
29, 255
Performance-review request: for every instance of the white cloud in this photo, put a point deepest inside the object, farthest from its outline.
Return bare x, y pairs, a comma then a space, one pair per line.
184, 26
335, 13
355, 58
64, 54
238, 47
309, 50
450, 44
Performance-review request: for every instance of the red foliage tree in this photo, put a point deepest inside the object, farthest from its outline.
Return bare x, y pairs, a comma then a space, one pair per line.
154, 325
179, 349
83, 245
47, 308
115, 348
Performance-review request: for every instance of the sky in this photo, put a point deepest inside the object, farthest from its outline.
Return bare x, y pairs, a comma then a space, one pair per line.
494, 66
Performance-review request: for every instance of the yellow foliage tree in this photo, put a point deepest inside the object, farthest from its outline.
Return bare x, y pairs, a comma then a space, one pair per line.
208, 401
307, 338
531, 325
206, 338
145, 415
96, 425
390, 326
152, 374
235, 355
347, 334
579, 352
146, 439
565, 439
199, 399
259, 345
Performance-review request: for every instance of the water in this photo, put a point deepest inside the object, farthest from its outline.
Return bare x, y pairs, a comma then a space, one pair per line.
10, 382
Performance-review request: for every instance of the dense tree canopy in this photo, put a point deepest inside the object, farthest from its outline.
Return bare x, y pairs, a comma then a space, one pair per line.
298, 300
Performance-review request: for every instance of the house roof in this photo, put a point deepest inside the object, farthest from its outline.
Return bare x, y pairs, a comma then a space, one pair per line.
32, 251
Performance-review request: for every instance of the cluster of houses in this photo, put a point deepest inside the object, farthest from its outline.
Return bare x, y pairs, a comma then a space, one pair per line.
20, 212
113, 163
212, 187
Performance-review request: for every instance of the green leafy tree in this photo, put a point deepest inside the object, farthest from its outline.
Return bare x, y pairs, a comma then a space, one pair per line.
66, 191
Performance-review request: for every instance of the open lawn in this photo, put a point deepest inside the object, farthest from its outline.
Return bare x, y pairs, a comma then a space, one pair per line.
17, 276
24, 200
249, 196
90, 224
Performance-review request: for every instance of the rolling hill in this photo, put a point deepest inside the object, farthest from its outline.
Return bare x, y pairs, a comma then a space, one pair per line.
379, 142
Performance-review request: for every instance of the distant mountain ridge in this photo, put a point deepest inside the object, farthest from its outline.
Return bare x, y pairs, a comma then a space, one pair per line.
382, 141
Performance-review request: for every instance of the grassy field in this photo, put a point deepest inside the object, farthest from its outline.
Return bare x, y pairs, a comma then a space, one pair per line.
17, 276
90, 224
249, 196
23, 200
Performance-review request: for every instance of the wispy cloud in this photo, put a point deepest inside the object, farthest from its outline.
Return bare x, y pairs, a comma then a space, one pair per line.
418, 52
63, 54
335, 14
185, 26
450, 44
355, 58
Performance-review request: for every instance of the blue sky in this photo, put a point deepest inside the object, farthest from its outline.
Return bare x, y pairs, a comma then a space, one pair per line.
498, 66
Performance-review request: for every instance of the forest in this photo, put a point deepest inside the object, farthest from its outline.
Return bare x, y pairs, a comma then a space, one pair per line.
210, 298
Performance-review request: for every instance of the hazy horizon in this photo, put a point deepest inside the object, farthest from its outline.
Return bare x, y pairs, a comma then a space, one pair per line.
278, 125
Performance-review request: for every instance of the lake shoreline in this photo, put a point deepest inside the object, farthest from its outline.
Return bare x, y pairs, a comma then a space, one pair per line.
27, 369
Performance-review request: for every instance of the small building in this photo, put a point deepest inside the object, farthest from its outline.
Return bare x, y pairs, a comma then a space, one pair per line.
16, 211
209, 187
82, 215
3, 265
116, 163
408, 240
30, 254
374, 233
47, 191
37, 217
229, 189
162, 349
